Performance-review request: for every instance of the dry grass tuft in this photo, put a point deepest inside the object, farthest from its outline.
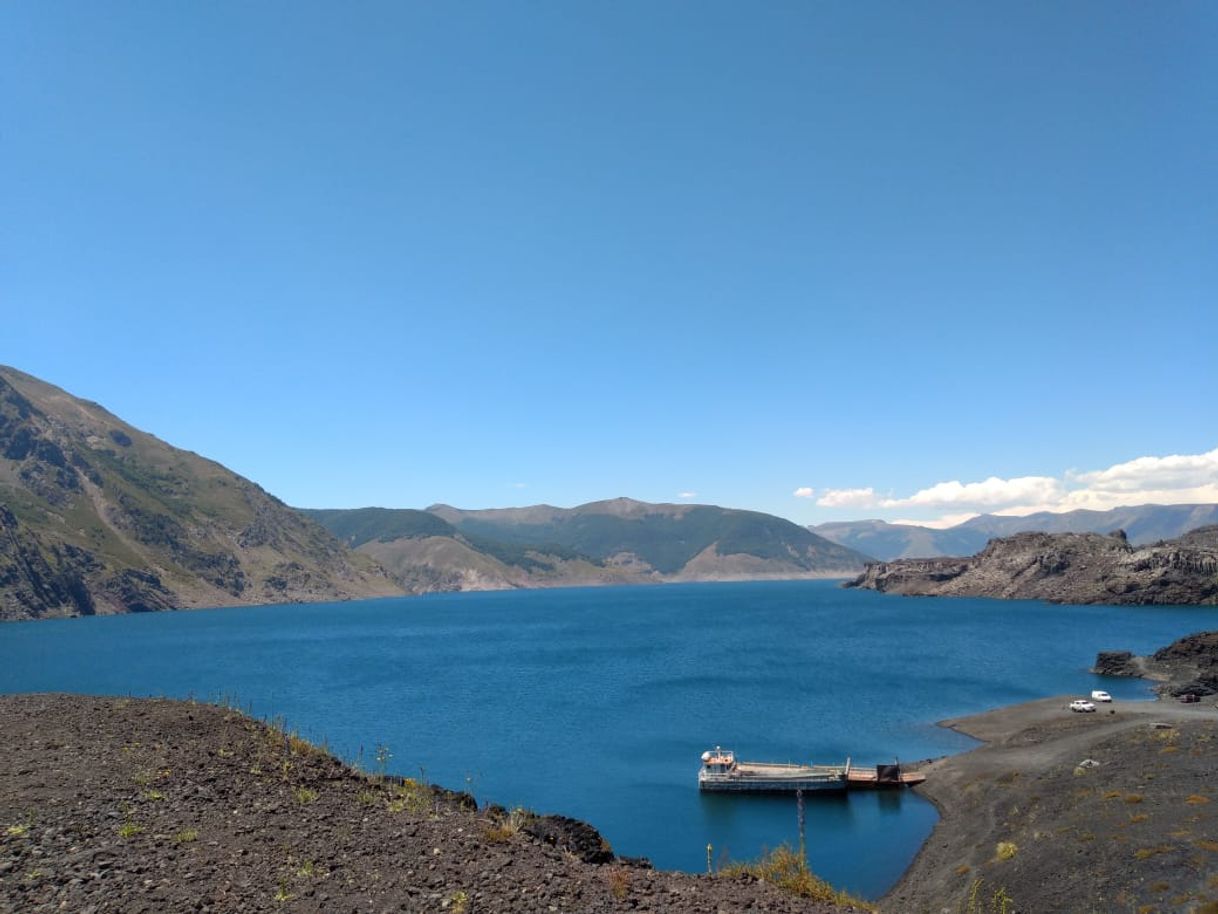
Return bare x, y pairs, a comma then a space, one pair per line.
786, 868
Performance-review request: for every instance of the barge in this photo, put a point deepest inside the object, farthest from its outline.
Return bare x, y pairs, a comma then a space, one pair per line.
722, 772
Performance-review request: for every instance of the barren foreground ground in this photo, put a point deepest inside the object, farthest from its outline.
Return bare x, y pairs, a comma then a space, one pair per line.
1029, 816
113, 805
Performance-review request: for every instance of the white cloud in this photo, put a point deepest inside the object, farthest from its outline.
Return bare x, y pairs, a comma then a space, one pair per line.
989, 493
804, 492
848, 498
1178, 471
939, 523
687, 495
1172, 479
520, 485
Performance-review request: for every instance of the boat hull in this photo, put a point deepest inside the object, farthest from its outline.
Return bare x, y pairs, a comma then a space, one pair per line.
761, 785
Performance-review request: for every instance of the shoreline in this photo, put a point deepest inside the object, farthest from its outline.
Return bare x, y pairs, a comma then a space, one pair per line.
1016, 808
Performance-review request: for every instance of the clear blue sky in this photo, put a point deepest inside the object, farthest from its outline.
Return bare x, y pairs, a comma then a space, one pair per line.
506, 253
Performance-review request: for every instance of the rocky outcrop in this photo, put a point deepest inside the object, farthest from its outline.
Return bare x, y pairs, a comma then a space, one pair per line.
1118, 663
1186, 666
1065, 568
99, 517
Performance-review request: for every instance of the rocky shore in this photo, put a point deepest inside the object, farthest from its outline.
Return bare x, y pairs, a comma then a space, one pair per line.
1188, 666
1115, 811
1064, 568
148, 807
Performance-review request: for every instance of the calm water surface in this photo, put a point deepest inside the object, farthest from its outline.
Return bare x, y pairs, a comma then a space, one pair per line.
597, 702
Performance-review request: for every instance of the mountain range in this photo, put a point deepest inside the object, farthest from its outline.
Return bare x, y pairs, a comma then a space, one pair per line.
1142, 524
606, 542
97, 516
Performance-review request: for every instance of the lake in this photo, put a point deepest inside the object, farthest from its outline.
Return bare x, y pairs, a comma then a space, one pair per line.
597, 702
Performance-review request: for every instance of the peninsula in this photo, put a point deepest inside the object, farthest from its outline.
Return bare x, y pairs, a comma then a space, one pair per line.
1064, 568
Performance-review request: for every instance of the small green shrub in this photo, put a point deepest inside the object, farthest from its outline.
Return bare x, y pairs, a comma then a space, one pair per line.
305, 795
1006, 850
186, 835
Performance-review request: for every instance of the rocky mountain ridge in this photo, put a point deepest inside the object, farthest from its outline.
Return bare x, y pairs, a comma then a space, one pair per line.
97, 516
1065, 568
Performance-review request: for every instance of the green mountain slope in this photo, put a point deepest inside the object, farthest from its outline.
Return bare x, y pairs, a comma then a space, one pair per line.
616, 541
97, 516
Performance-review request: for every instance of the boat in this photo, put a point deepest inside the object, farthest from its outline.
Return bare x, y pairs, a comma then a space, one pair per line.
721, 771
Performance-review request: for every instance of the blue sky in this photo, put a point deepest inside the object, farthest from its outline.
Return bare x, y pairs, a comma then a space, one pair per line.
493, 254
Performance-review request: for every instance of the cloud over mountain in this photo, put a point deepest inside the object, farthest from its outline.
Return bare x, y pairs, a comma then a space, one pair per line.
1175, 478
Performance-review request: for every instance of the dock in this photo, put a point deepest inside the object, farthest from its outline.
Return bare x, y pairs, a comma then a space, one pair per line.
721, 772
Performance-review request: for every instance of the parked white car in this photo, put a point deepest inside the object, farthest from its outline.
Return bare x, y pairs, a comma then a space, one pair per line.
1097, 695
1082, 705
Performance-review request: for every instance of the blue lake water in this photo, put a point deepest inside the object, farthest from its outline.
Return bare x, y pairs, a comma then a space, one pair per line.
597, 702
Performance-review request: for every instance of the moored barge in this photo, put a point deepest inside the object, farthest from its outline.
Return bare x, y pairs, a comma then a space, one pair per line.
721, 771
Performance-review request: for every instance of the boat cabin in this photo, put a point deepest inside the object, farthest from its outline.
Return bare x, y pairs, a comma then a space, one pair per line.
718, 761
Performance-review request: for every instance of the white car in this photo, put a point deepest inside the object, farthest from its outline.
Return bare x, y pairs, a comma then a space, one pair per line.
1097, 695
1081, 704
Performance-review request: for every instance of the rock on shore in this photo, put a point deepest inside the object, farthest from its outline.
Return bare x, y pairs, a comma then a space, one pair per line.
1186, 666
1065, 568
153, 807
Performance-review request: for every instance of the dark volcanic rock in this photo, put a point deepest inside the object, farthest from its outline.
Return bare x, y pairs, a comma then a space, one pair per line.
1065, 568
579, 838
1186, 666
1116, 663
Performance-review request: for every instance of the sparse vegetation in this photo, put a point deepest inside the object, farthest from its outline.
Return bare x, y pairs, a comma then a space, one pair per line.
980, 900
304, 795
1007, 849
409, 796
129, 830
20, 830
786, 869
504, 827
618, 880
186, 836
